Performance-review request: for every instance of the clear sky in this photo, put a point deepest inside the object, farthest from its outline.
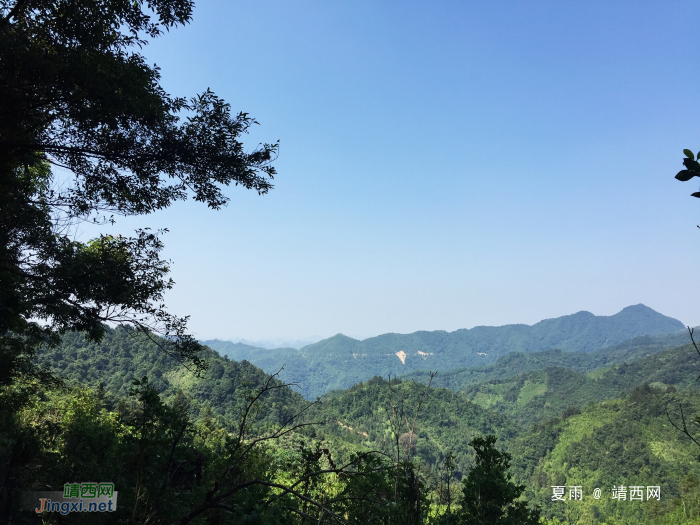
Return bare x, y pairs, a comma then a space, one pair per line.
443, 164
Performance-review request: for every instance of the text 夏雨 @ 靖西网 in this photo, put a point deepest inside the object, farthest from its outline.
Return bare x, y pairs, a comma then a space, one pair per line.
619, 492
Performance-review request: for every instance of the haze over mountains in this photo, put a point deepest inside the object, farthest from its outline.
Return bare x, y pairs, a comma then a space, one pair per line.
278, 343
340, 361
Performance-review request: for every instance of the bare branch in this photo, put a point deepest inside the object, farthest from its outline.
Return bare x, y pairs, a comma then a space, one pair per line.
420, 402
684, 428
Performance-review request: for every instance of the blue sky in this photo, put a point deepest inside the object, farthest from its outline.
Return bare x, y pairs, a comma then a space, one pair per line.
442, 164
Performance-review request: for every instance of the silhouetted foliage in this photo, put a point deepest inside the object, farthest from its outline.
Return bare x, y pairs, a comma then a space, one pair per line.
692, 169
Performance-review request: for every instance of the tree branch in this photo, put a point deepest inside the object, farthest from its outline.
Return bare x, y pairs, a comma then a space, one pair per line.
684, 430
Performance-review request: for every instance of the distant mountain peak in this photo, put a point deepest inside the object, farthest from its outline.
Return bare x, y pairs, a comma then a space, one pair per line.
343, 336
643, 312
638, 308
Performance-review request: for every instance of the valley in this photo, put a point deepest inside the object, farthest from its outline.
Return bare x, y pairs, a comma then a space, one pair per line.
589, 416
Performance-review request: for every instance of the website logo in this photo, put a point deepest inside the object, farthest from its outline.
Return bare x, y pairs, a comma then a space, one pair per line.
76, 497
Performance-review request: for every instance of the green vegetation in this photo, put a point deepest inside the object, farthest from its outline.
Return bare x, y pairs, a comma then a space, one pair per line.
516, 363
169, 468
123, 355
620, 442
489, 495
542, 394
444, 423
226, 447
578, 432
340, 362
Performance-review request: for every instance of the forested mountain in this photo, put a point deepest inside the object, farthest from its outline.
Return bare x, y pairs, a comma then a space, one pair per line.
340, 361
583, 435
176, 446
444, 421
511, 402
627, 442
518, 362
123, 356
538, 395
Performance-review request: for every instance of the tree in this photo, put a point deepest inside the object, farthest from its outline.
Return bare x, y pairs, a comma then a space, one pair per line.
489, 495
76, 94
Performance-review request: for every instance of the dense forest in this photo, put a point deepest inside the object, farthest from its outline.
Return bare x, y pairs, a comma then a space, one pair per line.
597, 429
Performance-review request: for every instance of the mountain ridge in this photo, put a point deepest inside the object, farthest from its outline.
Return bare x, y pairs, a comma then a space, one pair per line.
516, 363
341, 361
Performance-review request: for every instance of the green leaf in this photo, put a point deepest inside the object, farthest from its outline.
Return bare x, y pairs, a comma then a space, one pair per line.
685, 175
689, 154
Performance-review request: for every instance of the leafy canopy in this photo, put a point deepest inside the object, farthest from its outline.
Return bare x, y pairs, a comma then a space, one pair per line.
76, 94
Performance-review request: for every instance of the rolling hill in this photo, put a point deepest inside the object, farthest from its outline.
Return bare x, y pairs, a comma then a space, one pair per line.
538, 395
627, 442
123, 356
340, 361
